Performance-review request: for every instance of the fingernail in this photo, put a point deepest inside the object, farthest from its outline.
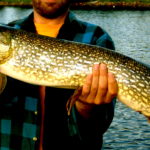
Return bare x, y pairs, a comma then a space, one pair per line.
103, 66
111, 75
96, 66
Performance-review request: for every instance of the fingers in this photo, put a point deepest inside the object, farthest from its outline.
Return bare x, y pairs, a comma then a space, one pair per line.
103, 84
100, 87
94, 83
90, 87
86, 87
112, 87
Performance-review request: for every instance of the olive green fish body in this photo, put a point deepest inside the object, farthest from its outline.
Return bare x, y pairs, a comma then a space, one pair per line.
64, 64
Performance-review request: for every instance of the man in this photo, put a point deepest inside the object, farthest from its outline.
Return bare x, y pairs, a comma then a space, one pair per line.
34, 117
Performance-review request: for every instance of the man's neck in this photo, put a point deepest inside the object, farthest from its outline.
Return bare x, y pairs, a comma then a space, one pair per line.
56, 21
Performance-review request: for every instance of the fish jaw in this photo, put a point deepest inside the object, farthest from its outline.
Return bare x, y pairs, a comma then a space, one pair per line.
5, 46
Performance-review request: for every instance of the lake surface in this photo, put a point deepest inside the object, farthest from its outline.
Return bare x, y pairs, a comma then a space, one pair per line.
130, 31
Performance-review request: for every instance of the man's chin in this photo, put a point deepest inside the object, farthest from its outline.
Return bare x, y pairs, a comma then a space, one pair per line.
51, 15
51, 8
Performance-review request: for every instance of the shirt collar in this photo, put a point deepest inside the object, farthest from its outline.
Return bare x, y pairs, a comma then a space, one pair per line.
71, 26
72, 20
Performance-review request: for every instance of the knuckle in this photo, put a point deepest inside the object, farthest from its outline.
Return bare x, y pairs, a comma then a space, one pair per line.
82, 97
98, 101
85, 93
87, 84
108, 101
94, 89
103, 88
113, 93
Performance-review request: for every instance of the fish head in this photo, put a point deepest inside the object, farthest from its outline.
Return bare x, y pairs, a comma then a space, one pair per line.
5, 44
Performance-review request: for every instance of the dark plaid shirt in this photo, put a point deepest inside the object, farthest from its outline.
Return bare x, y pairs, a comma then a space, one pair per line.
20, 111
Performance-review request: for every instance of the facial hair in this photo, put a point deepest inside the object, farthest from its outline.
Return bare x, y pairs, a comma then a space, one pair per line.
51, 8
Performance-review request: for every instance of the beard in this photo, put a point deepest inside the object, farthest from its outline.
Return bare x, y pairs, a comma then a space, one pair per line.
51, 8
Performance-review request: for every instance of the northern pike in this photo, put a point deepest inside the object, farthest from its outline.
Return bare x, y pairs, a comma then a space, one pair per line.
46, 61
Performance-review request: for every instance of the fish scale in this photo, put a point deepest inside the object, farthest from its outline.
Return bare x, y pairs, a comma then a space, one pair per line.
46, 61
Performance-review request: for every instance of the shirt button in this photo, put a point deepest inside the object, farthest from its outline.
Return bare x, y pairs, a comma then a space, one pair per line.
34, 138
35, 112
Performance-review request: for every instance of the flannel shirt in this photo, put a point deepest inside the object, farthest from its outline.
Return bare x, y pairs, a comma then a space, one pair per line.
20, 111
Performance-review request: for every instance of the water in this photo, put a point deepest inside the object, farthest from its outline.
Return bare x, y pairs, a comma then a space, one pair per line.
130, 31
131, 34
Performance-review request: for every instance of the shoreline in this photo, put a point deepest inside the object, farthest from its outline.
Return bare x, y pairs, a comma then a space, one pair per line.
93, 5
112, 5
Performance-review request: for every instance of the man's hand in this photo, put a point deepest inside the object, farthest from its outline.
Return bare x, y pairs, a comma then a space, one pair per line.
100, 88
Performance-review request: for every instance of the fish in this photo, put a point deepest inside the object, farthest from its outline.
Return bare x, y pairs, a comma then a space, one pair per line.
42, 60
